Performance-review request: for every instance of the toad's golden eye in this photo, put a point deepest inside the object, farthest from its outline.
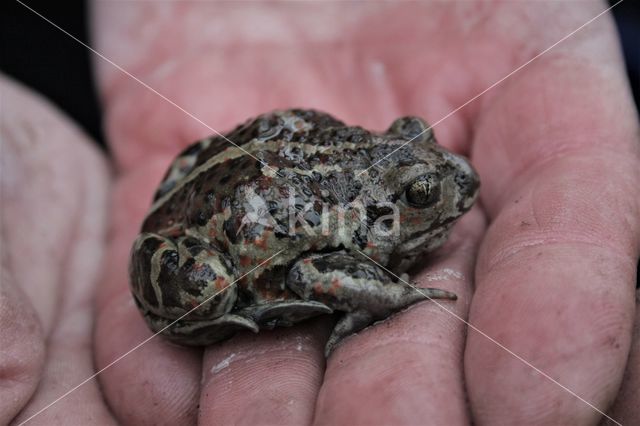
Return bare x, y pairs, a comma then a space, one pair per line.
422, 192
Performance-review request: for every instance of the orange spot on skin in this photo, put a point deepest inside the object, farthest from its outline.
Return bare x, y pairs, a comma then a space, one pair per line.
265, 264
220, 283
317, 288
306, 261
371, 244
335, 286
416, 220
245, 261
261, 242
264, 182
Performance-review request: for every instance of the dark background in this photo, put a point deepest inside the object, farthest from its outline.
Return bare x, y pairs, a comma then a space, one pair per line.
49, 61
55, 65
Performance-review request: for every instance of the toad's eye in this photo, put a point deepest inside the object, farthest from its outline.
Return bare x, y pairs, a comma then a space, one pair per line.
422, 192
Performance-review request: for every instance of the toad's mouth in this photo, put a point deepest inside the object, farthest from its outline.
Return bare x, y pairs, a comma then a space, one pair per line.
407, 254
425, 241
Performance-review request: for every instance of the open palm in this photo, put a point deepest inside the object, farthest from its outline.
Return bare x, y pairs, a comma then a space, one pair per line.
545, 265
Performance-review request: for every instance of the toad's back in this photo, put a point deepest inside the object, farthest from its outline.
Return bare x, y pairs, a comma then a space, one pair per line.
237, 237
304, 150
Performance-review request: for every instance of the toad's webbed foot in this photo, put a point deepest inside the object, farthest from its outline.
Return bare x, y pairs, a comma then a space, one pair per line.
351, 322
200, 332
365, 292
284, 313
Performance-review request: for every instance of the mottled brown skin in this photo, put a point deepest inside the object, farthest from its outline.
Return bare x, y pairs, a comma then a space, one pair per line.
222, 210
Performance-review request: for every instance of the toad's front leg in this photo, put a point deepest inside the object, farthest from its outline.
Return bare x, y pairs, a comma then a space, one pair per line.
185, 289
359, 288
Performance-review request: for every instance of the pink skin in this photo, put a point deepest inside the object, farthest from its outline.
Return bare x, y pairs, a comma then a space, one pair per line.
54, 194
552, 277
554, 146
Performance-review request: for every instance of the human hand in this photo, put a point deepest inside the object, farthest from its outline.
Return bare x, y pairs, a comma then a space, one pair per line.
555, 146
53, 196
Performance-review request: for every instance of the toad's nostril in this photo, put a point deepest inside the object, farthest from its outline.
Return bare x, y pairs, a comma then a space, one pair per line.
464, 181
468, 183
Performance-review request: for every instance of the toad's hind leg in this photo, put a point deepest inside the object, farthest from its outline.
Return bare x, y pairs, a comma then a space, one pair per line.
185, 289
359, 288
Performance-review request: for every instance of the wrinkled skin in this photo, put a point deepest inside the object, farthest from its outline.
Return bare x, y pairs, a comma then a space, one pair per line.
54, 193
196, 239
551, 277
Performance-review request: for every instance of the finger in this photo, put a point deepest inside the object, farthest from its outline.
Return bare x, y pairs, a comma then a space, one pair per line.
268, 378
55, 187
22, 347
22, 353
38, 203
626, 408
408, 369
556, 271
69, 360
155, 377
